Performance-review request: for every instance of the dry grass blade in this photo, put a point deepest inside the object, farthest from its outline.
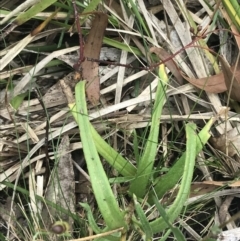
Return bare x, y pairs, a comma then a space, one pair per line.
15, 51
121, 72
17, 10
185, 38
20, 87
23, 43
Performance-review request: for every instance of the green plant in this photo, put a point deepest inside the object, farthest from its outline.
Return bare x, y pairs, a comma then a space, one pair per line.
112, 214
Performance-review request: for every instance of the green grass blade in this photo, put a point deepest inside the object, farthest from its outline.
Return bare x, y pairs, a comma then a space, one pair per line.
138, 16
106, 201
233, 12
236, 6
30, 13
122, 46
145, 166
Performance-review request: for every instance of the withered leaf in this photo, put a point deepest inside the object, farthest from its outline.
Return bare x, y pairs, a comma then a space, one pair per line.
92, 49
212, 84
220, 82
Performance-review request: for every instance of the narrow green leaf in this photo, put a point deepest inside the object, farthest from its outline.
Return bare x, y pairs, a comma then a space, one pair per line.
114, 158
236, 6
172, 213
18, 100
169, 180
122, 46
138, 16
106, 201
91, 219
143, 219
145, 165
119, 180
166, 235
